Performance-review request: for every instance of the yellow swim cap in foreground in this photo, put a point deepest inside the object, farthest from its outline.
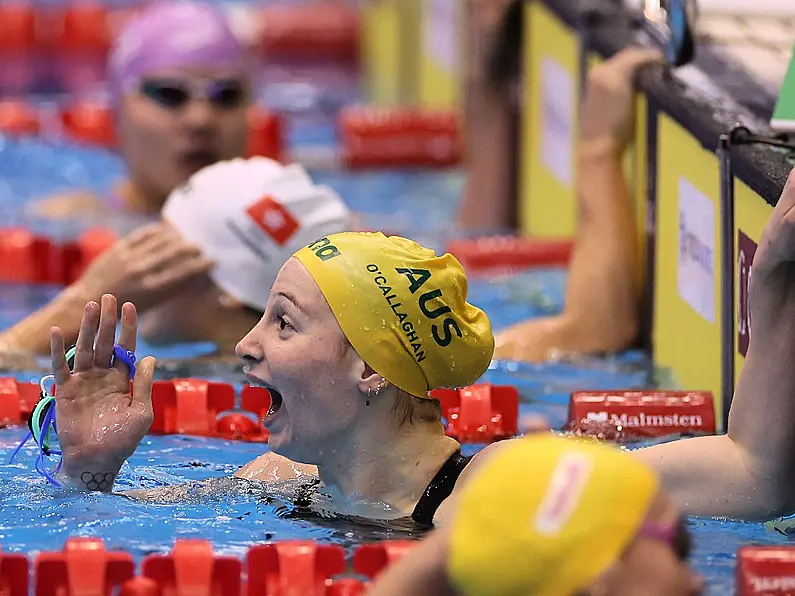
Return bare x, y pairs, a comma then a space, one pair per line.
403, 309
547, 516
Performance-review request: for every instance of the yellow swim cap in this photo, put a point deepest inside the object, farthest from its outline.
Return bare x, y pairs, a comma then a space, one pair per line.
547, 516
403, 309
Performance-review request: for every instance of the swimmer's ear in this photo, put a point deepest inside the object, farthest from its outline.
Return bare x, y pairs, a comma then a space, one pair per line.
370, 380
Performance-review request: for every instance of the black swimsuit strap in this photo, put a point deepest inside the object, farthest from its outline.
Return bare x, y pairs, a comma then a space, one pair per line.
439, 489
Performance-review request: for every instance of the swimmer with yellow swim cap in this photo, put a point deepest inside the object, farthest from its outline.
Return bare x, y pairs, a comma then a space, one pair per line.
359, 327
555, 532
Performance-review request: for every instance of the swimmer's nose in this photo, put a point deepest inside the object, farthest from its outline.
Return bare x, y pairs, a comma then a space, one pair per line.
199, 114
249, 350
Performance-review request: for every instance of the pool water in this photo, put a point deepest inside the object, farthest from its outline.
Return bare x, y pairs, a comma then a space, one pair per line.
234, 514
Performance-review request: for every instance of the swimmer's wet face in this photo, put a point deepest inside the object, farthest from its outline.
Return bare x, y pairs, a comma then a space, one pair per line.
296, 350
180, 120
175, 75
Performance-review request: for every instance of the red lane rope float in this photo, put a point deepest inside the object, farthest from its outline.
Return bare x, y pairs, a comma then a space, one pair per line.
17, 401
14, 574
17, 26
26, 258
293, 567
283, 568
18, 118
89, 122
31, 259
327, 30
18, 45
82, 36
83, 27
372, 559
265, 134
480, 413
193, 568
400, 137
510, 253
83, 568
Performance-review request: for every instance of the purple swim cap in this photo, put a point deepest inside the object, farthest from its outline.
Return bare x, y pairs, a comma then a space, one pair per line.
173, 35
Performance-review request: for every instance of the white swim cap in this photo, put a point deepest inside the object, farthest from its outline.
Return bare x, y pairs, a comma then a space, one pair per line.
250, 216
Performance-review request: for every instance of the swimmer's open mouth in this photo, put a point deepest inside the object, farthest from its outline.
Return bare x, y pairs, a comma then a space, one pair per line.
276, 397
197, 159
276, 402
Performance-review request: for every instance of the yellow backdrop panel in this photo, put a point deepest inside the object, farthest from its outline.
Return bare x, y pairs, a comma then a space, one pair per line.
687, 330
381, 50
441, 57
547, 205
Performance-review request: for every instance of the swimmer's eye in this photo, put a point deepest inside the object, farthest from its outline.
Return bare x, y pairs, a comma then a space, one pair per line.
283, 324
175, 94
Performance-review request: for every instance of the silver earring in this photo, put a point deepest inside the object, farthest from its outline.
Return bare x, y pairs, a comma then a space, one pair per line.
381, 385
367, 403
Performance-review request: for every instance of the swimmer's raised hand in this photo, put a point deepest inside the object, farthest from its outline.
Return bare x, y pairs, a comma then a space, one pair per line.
100, 421
772, 290
146, 267
608, 112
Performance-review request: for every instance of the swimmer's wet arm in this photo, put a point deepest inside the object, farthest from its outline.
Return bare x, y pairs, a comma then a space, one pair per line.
602, 291
31, 335
68, 205
271, 467
748, 472
488, 203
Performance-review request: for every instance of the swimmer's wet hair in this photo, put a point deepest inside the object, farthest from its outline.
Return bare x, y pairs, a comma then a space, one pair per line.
408, 409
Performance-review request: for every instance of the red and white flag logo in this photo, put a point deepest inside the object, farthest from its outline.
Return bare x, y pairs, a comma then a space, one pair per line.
273, 219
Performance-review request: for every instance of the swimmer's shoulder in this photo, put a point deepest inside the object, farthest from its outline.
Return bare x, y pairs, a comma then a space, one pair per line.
445, 510
68, 204
271, 467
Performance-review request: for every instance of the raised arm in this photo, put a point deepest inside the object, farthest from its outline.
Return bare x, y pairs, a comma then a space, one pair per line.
148, 266
748, 473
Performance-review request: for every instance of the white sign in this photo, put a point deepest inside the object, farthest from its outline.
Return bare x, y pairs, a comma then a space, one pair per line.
697, 250
441, 33
557, 120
